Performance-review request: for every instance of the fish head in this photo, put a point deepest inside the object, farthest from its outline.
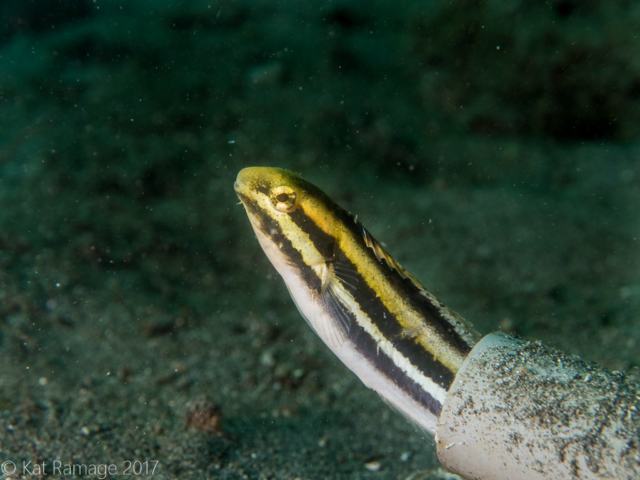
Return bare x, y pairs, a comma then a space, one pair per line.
293, 219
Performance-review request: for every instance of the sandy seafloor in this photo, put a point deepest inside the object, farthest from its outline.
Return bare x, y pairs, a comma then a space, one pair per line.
493, 149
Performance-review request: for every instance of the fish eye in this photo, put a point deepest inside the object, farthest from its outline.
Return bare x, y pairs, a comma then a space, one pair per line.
284, 199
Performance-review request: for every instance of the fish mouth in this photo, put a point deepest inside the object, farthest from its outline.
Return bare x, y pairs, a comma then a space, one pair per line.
243, 180
240, 182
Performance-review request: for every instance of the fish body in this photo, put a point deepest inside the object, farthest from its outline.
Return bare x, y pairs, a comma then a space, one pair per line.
377, 318
491, 418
